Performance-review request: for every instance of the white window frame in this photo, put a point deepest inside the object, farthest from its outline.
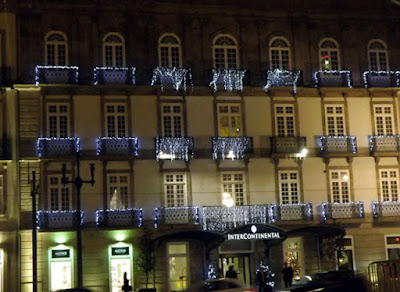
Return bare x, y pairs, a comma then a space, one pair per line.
391, 189
58, 46
350, 248
113, 46
58, 115
293, 187
388, 126
234, 119
329, 51
59, 187
377, 53
387, 246
284, 119
117, 117
185, 255
174, 117
169, 42
172, 187
341, 181
118, 185
225, 48
336, 120
229, 186
281, 51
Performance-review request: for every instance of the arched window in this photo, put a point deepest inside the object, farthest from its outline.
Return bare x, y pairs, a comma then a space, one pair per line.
225, 52
377, 56
279, 53
329, 56
56, 49
169, 51
113, 50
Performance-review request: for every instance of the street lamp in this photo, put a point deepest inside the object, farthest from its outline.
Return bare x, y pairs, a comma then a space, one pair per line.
78, 182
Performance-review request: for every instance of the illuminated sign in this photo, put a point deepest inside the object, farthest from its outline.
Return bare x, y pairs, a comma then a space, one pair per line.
118, 251
253, 235
60, 253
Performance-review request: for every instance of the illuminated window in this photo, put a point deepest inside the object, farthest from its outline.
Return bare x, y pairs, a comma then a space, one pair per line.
56, 49
340, 186
229, 120
225, 52
169, 51
383, 119
172, 119
2, 201
289, 187
392, 243
58, 120
178, 266
345, 257
279, 53
284, 120
113, 50
335, 120
329, 55
59, 195
389, 184
175, 189
233, 184
116, 119
118, 191
378, 56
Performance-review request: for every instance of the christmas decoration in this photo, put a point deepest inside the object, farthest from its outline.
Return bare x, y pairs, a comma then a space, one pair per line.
230, 78
178, 77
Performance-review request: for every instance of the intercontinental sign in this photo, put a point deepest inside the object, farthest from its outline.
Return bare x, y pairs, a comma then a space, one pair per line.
253, 235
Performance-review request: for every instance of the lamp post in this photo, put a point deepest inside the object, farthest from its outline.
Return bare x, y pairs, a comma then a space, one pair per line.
78, 182
34, 232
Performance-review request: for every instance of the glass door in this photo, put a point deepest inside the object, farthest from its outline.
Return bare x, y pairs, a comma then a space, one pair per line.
118, 268
241, 265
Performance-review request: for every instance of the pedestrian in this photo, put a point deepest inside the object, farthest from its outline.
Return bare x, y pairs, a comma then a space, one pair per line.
260, 278
231, 273
126, 287
287, 275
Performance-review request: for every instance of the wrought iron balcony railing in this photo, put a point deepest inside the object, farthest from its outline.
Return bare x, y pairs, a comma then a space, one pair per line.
289, 145
113, 75
225, 218
331, 78
381, 79
57, 147
179, 148
176, 215
389, 143
285, 212
228, 79
337, 144
279, 77
47, 220
386, 209
56, 74
342, 210
126, 146
231, 147
132, 217
178, 78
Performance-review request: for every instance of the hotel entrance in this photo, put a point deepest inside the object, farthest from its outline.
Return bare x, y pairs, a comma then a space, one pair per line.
241, 266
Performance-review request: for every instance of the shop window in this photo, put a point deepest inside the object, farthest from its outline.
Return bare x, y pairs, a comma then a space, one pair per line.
56, 49
340, 186
172, 120
392, 247
178, 266
378, 56
118, 191
284, 120
175, 189
169, 51
329, 55
114, 50
229, 120
116, 120
335, 120
279, 54
233, 187
293, 255
225, 52
289, 187
58, 116
383, 119
345, 257
60, 259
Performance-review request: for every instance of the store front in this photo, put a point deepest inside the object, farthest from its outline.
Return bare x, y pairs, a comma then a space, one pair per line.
61, 268
120, 262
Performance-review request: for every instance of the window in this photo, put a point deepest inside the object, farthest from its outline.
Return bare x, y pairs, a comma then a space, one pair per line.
289, 187
378, 56
169, 51
233, 184
279, 53
345, 258
115, 119
172, 120
340, 186
329, 55
284, 120
334, 119
118, 191
56, 49
229, 120
392, 243
113, 50
175, 190
59, 195
58, 120
225, 52
383, 119
389, 184
178, 266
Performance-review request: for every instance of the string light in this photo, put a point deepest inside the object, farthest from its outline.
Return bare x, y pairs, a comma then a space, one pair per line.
384, 143
381, 78
172, 148
119, 217
55, 218
56, 74
117, 146
176, 76
328, 75
230, 147
280, 77
59, 146
176, 215
328, 144
298, 211
231, 79
327, 210
114, 75
385, 208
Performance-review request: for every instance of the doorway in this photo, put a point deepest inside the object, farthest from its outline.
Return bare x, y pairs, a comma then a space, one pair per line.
241, 266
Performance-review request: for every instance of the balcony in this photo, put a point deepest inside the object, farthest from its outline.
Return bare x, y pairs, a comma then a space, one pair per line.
178, 78
289, 212
341, 210
281, 78
289, 146
228, 79
57, 147
49, 220
384, 145
386, 209
381, 79
56, 75
176, 215
174, 148
122, 146
225, 218
231, 147
132, 217
337, 145
112, 75
324, 78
